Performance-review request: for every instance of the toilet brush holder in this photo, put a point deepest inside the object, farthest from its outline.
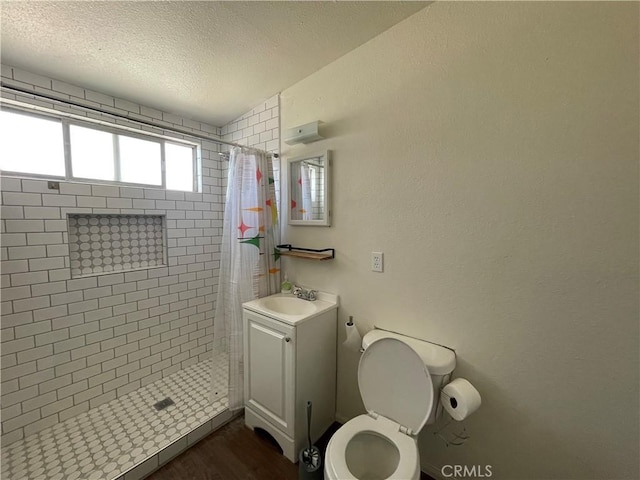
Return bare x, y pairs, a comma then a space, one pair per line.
309, 472
310, 458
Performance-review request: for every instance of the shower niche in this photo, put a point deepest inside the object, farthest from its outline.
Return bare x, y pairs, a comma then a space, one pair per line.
100, 244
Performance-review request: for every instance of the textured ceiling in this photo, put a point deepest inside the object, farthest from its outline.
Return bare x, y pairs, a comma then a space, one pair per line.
210, 61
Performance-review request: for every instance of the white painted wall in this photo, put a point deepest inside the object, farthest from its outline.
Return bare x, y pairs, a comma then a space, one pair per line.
490, 150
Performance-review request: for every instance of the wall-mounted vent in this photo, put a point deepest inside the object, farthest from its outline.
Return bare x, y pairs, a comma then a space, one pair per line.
307, 133
113, 243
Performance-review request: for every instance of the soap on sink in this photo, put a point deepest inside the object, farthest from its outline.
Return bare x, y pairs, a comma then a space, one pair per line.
285, 287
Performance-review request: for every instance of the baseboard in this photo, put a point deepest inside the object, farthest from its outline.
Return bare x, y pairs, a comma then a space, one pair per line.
431, 470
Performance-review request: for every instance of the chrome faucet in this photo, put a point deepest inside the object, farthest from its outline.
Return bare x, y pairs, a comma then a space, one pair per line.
309, 295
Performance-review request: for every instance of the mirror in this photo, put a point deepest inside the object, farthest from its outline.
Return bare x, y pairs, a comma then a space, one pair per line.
308, 190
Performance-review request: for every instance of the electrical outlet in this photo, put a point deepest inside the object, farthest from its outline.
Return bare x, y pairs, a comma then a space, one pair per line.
376, 261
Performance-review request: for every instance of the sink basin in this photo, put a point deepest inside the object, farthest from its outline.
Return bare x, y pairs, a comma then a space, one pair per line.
289, 309
289, 305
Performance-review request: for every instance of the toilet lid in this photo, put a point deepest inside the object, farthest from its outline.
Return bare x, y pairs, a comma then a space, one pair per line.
394, 382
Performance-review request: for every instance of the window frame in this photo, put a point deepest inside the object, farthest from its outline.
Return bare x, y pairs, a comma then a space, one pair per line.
116, 130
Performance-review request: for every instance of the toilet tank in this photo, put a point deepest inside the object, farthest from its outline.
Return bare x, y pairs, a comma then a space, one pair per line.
440, 362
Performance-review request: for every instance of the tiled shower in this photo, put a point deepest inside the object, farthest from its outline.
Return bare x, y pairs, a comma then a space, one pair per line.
88, 334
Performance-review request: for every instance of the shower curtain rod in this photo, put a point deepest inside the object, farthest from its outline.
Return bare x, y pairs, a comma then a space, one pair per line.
49, 98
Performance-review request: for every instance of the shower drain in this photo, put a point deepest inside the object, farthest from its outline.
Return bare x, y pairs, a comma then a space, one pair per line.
164, 403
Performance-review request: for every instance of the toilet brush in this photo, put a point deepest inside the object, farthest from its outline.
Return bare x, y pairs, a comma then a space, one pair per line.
310, 460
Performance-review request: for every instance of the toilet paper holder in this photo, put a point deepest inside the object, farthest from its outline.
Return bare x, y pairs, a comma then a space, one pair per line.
446, 432
445, 429
450, 437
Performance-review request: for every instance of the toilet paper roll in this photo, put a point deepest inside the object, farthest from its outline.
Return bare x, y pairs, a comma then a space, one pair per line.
460, 398
353, 340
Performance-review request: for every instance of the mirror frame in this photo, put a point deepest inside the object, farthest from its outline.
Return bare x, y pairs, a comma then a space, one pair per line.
325, 221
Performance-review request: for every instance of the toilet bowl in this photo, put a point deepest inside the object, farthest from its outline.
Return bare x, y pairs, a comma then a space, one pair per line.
398, 393
373, 449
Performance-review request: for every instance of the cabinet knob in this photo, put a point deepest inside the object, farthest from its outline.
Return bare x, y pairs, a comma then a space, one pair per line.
287, 339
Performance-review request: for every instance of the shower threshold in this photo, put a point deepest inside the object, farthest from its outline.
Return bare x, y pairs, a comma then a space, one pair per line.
127, 438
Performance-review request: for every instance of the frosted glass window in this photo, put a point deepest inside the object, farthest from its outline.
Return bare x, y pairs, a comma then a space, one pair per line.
76, 149
140, 161
31, 144
179, 167
91, 153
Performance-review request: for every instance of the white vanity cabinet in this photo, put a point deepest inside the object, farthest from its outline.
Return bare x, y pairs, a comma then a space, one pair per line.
269, 368
289, 360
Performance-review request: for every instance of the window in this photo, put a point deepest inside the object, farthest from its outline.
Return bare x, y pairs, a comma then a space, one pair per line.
35, 145
176, 156
31, 144
91, 153
140, 161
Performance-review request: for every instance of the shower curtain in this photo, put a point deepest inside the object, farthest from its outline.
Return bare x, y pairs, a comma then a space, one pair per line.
250, 261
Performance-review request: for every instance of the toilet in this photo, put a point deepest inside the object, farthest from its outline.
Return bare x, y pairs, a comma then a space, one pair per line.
399, 379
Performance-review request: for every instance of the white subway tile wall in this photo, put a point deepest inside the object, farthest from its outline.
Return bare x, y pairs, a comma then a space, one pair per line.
72, 344
259, 128
69, 345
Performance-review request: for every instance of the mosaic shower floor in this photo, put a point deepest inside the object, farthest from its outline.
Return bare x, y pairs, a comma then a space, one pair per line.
107, 441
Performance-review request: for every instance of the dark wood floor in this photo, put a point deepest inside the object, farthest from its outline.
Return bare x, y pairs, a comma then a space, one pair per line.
235, 452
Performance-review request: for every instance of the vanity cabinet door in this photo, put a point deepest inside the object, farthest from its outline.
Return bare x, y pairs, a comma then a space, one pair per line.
269, 370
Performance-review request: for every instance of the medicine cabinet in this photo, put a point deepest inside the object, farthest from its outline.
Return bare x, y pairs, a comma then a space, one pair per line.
309, 189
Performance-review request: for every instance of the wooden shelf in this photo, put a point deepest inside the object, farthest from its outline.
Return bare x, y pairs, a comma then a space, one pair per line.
309, 253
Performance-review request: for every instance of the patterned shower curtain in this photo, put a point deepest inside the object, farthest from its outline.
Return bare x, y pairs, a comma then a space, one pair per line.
249, 262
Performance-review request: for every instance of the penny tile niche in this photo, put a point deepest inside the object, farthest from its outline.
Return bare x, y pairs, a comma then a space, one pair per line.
111, 243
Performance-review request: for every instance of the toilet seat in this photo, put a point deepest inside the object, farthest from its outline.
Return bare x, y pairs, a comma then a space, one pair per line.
394, 382
408, 463
397, 391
